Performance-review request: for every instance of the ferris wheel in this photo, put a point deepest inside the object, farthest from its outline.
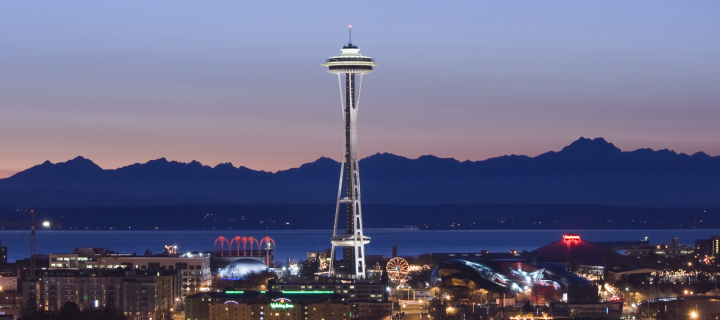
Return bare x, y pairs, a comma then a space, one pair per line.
397, 269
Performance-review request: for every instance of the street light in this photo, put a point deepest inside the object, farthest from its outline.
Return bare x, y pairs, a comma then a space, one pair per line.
693, 315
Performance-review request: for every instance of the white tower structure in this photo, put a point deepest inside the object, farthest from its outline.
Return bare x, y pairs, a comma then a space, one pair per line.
349, 64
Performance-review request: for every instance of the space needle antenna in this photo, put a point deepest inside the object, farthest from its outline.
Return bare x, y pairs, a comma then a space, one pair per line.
350, 31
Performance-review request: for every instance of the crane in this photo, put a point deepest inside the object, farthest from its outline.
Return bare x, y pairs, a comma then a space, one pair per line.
32, 225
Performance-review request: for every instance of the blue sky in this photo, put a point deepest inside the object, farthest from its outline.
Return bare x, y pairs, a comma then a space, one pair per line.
241, 82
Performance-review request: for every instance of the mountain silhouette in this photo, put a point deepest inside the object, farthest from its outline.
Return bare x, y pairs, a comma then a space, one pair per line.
588, 171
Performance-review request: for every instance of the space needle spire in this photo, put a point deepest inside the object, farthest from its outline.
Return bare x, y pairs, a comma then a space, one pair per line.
351, 238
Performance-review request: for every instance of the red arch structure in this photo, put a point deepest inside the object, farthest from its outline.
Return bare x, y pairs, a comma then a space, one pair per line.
237, 241
245, 240
267, 241
222, 241
251, 239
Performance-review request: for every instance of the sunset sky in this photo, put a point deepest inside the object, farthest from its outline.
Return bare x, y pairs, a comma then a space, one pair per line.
241, 81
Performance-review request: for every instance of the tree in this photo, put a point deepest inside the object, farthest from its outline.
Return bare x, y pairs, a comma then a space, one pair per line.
69, 311
259, 280
384, 277
375, 314
95, 314
420, 277
308, 268
38, 315
424, 258
527, 307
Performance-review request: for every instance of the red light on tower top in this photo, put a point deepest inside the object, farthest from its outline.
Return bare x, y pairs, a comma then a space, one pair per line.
568, 237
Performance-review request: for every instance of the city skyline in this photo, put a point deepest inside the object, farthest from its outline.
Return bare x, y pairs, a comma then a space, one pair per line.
241, 83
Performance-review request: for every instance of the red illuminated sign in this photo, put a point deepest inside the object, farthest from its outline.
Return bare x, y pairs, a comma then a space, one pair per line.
571, 237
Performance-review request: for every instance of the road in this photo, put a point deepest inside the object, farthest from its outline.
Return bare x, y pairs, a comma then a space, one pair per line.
412, 309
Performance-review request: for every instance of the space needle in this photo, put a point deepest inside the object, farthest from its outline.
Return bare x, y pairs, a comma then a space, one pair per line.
348, 65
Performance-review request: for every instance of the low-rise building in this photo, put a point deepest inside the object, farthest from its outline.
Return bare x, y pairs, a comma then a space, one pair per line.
137, 296
169, 288
371, 292
52, 288
8, 282
674, 249
11, 303
328, 310
588, 310
708, 247
371, 310
234, 311
195, 268
266, 305
316, 255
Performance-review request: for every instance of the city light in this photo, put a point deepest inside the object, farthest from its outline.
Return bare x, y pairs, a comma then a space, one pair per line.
571, 237
308, 292
281, 303
693, 315
46, 224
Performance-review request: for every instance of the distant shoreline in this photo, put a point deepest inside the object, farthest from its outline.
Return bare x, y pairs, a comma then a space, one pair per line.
296, 243
321, 216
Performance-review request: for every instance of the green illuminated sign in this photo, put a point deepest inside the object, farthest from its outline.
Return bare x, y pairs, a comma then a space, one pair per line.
309, 292
280, 305
234, 292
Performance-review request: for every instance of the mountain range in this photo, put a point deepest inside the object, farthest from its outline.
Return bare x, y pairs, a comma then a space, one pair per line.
588, 171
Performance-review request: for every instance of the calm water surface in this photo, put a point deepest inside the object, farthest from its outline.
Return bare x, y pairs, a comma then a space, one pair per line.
295, 243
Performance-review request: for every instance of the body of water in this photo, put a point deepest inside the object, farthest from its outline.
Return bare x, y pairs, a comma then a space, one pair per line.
295, 243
